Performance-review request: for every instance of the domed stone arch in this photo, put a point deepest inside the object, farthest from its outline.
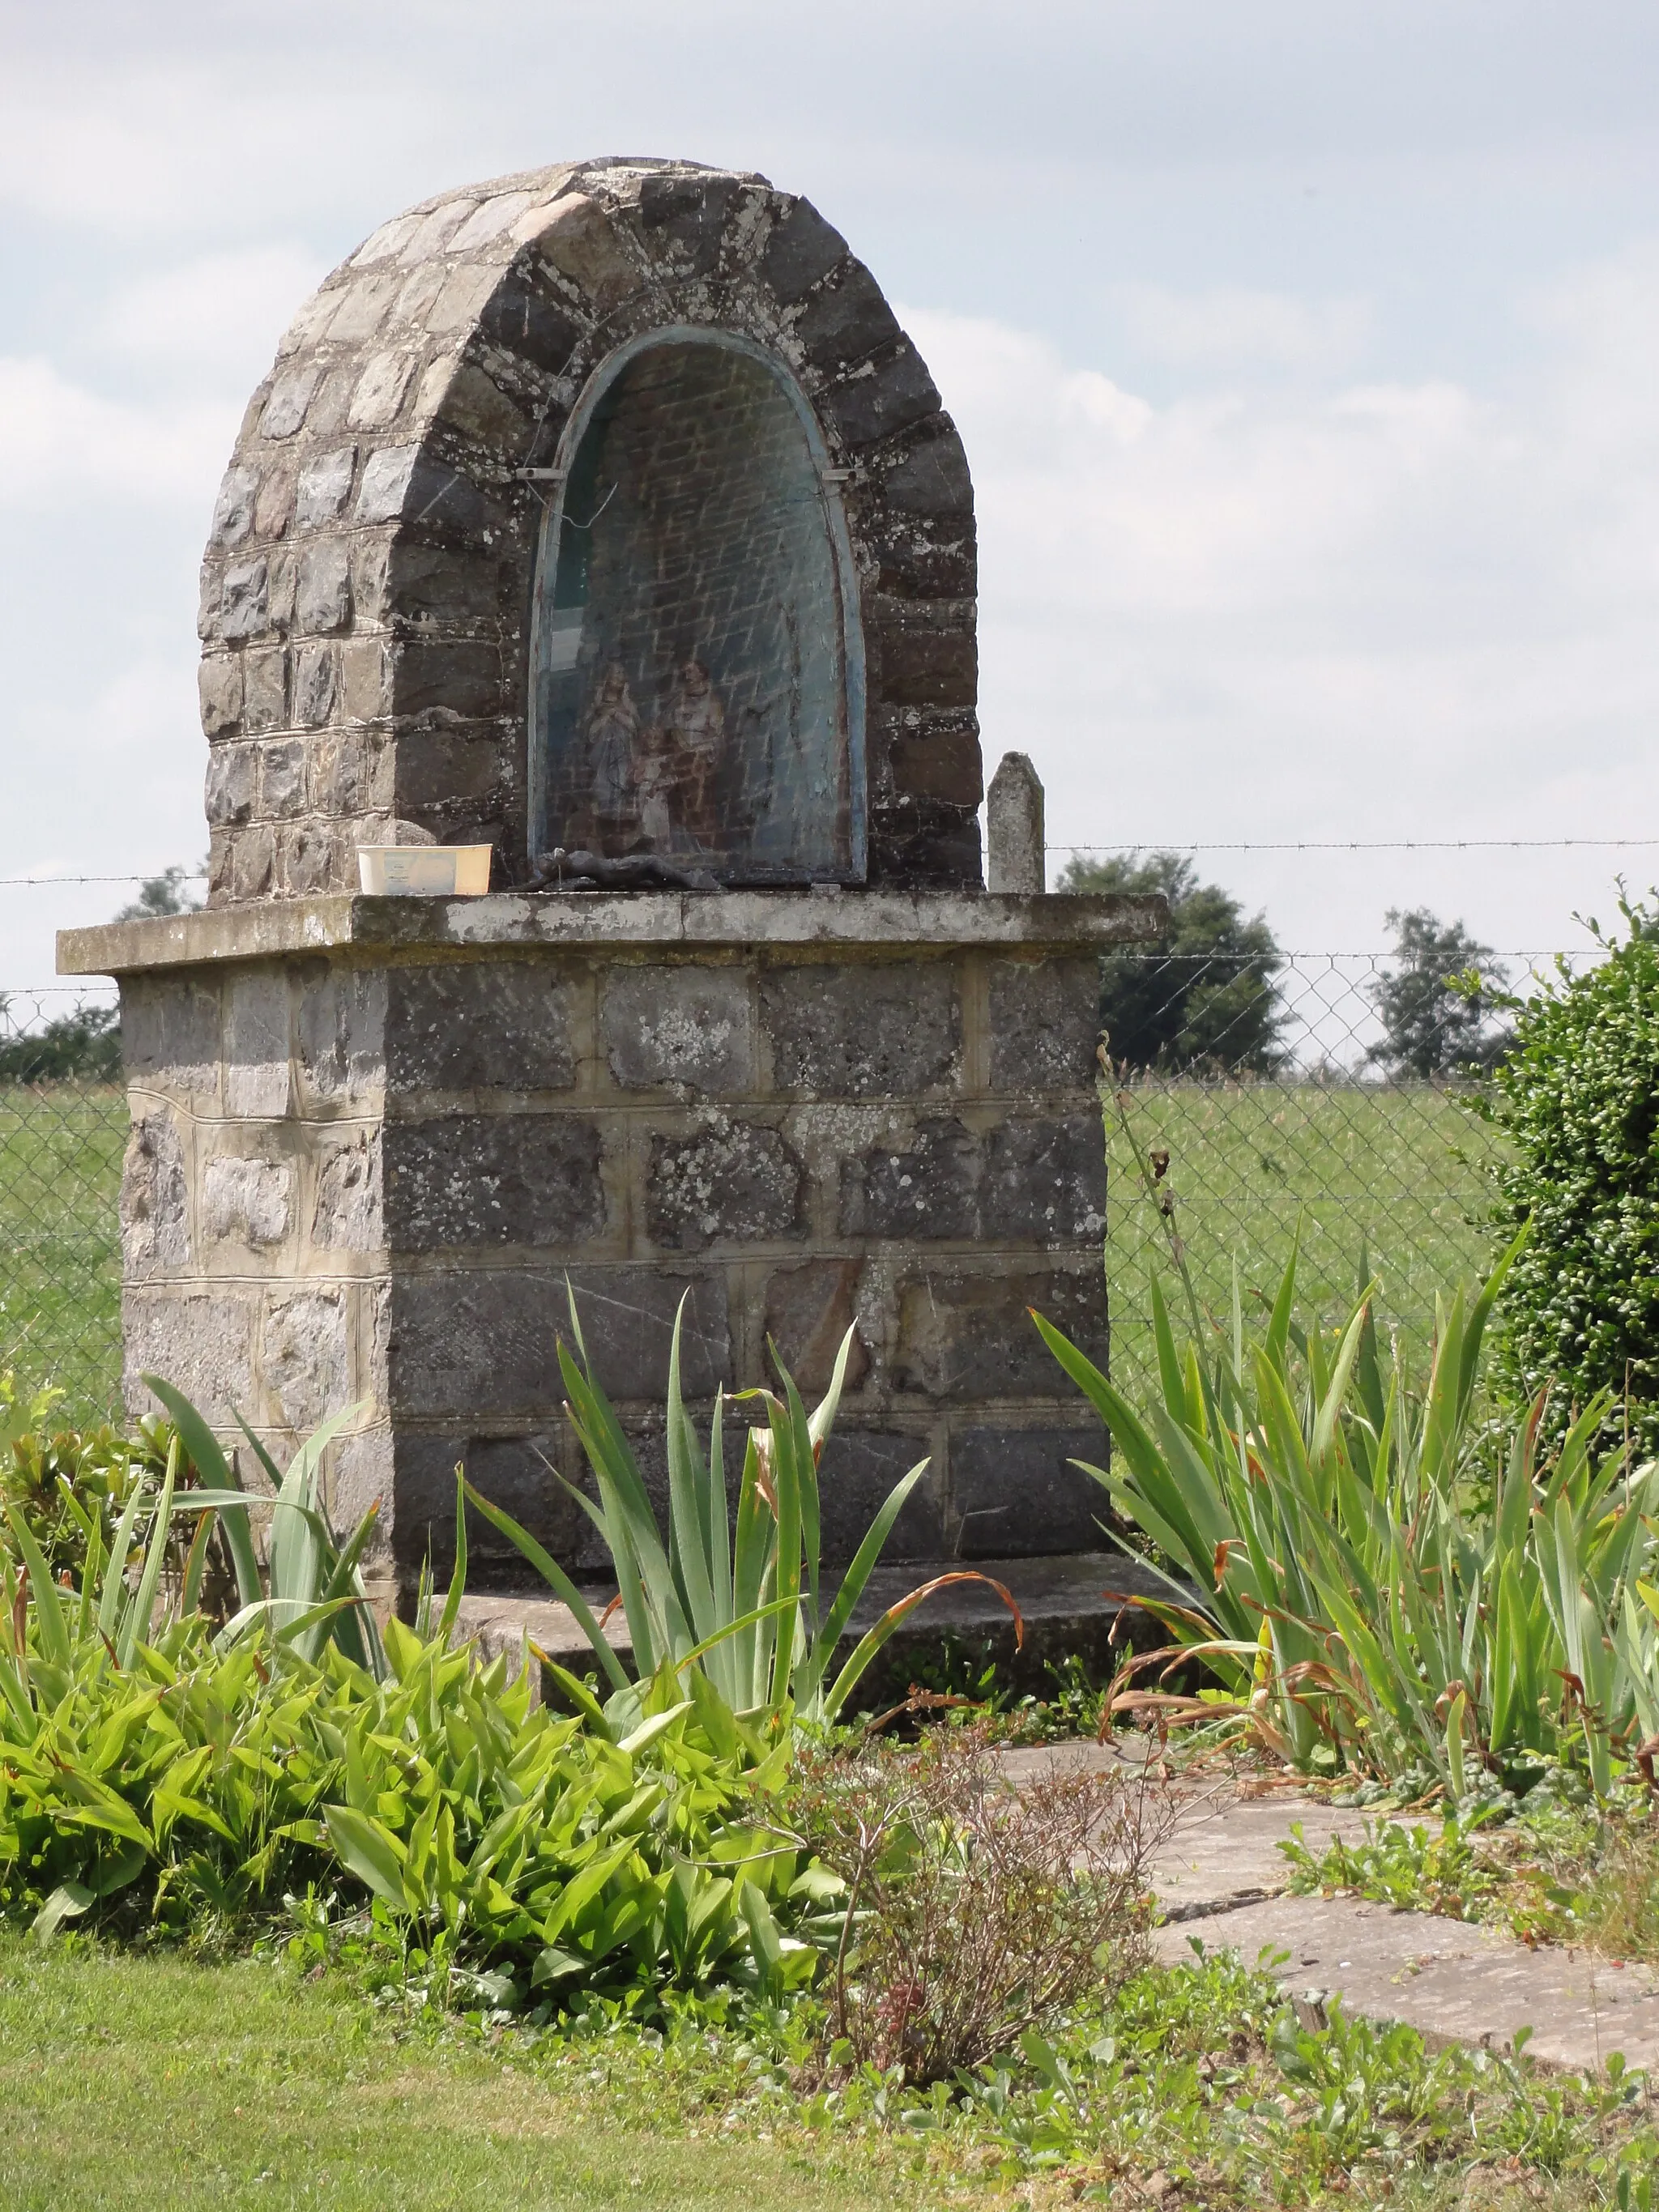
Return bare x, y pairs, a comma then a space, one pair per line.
369, 610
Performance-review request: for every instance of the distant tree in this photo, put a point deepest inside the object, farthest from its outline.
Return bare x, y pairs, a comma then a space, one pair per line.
86, 1043
1203, 995
1437, 1005
159, 895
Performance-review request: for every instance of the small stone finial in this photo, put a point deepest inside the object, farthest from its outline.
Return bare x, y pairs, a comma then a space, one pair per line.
1014, 821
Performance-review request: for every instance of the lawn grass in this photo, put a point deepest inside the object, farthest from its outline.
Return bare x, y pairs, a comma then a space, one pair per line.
154, 2085
60, 1278
1396, 1172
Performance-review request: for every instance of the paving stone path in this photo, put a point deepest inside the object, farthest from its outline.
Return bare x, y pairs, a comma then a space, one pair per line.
1222, 1881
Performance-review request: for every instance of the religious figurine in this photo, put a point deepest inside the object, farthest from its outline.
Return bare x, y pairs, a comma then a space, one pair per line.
696, 723
611, 730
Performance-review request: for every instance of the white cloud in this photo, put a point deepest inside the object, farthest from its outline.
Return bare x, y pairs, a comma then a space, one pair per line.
59, 442
1232, 325
1400, 609
215, 319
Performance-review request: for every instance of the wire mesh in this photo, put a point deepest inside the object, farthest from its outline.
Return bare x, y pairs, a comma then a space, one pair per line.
63, 1131
1290, 1134
1302, 1134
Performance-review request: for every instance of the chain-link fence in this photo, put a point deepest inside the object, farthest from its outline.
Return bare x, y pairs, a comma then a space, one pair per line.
1302, 1131
1287, 1129
62, 1128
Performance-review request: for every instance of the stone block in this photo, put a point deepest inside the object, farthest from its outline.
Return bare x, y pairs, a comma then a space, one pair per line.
348, 1215
512, 1472
325, 486
800, 253
252, 863
202, 1342
363, 678
928, 1190
379, 394
322, 600
233, 511
305, 1358
809, 1309
316, 676
257, 1079
460, 396
463, 677
230, 787
1045, 1181
492, 1025
1045, 1022
521, 317
964, 1330
579, 242
219, 692
281, 779
931, 478
856, 1475
274, 509
291, 397
847, 320
882, 397
728, 1182
687, 215
341, 1034
244, 606
922, 666
1015, 1495
306, 859
154, 1204
247, 1201
488, 1338
403, 484
264, 689
684, 1029
170, 1033
938, 764
471, 1179
886, 1031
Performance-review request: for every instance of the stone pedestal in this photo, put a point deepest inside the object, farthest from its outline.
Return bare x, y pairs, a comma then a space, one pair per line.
373, 1139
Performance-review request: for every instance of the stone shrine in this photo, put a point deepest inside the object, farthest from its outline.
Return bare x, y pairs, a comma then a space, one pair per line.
605, 516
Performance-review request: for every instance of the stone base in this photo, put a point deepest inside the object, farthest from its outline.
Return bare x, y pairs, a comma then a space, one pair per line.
377, 1142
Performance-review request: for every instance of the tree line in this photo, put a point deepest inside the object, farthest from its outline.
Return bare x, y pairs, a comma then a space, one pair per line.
1204, 997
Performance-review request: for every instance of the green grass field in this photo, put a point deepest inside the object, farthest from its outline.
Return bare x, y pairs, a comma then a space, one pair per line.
1396, 1171
153, 2085
60, 1291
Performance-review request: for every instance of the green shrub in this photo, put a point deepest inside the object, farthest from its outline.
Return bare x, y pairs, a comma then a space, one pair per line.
154, 1783
739, 1607
1362, 1602
1577, 1098
59, 1477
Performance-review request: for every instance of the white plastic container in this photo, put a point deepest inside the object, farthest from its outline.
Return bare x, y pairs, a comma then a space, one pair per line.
424, 871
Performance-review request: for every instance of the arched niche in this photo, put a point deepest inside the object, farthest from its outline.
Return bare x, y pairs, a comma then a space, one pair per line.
697, 668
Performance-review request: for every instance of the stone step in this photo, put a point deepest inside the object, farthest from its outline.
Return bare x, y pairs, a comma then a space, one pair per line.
1070, 1604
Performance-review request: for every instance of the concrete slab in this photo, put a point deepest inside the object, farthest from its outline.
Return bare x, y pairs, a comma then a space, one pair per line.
1225, 1852
1454, 1983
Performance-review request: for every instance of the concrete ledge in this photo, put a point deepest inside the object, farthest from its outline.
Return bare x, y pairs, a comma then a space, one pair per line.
880, 921
1071, 1604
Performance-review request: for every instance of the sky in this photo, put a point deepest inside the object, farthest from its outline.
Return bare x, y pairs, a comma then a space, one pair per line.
1304, 352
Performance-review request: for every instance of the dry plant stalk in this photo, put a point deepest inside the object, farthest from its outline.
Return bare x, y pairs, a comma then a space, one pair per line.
976, 1911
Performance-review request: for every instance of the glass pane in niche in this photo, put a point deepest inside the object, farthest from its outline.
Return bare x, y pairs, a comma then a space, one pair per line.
692, 680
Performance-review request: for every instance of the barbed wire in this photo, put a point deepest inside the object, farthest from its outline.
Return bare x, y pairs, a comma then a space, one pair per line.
1366, 845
